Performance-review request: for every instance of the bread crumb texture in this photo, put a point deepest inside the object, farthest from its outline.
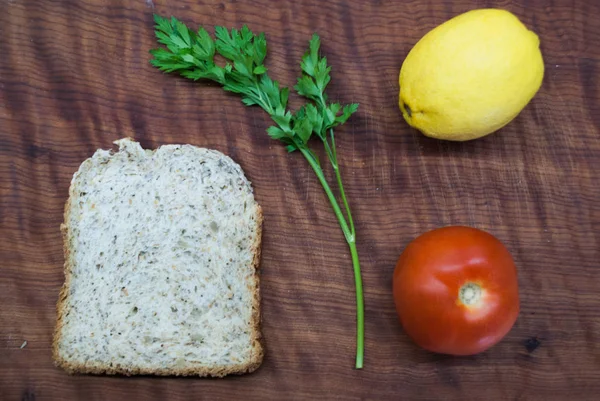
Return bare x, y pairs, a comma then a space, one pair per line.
161, 256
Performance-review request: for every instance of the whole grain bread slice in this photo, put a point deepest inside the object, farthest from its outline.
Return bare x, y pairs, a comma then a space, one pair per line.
162, 252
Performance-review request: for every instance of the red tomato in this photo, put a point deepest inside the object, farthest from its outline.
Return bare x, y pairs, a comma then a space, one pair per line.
456, 290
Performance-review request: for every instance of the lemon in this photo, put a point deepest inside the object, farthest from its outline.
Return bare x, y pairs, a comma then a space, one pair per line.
471, 75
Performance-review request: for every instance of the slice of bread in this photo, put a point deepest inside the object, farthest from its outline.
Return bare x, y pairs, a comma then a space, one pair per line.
161, 256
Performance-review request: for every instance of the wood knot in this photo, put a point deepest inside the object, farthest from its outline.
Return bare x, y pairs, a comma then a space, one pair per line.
531, 344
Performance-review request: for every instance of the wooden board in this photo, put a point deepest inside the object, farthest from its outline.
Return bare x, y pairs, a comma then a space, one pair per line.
74, 76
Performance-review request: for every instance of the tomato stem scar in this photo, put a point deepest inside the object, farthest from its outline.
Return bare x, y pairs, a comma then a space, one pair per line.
469, 294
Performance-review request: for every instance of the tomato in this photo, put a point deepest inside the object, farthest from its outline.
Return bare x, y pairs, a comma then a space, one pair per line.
456, 290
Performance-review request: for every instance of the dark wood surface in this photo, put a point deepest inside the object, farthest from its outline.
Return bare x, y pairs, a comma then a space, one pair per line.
74, 76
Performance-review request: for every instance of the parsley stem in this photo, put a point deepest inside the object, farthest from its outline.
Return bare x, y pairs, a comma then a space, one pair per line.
351, 240
360, 307
338, 176
334, 203
263, 102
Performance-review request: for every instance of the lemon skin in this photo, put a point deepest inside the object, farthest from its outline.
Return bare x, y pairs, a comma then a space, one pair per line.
471, 75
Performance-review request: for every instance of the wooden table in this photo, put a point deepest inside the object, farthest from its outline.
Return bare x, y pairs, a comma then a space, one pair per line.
74, 76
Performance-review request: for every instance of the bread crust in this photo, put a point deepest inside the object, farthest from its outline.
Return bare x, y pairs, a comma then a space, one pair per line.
62, 306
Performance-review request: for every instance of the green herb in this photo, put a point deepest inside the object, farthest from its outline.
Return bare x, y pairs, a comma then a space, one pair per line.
191, 54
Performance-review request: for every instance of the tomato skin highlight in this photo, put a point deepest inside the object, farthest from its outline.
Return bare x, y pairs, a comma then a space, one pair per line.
456, 290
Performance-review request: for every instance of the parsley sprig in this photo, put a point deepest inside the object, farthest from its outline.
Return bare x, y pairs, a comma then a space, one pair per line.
192, 55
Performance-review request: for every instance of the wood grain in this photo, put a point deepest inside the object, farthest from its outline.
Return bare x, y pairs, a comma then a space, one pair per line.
74, 76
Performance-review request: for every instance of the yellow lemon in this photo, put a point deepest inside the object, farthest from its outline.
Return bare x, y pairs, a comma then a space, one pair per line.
471, 75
